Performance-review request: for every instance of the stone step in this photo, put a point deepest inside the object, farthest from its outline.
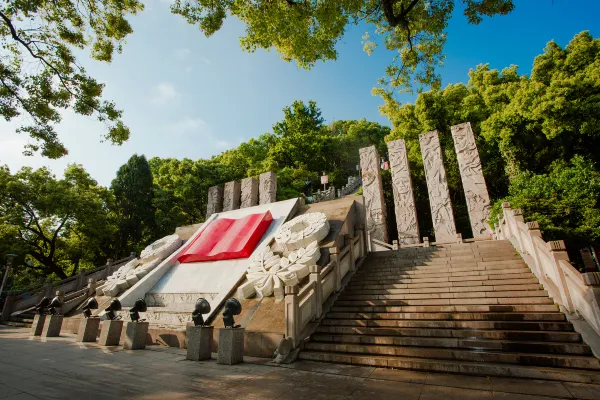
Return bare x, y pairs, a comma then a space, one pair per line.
458, 367
450, 316
541, 308
430, 324
18, 324
488, 356
411, 279
424, 269
389, 262
371, 275
448, 302
491, 282
453, 295
486, 334
499, 288
468, 344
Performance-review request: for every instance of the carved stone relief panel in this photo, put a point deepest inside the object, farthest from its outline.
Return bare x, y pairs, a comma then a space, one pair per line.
231, 196
437, 186
476, 193
249, 192
404, 200
268, 188
215, 200
373, 193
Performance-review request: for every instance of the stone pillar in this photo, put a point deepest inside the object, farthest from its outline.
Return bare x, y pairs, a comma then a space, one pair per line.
38, 325
249, 192
199, 342
52, 326
231, 346
476, 193
268, 188
111, 332
215, 200
373, 193
404, 199
88, 330
231, 196
135, 335
437, 186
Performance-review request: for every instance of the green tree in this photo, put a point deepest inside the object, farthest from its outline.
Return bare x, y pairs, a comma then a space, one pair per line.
40, 75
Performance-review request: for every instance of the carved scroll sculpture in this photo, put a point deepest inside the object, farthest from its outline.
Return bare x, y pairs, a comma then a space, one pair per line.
231, 196
249, 192
404, 200
215, 200
437, 186
268, 187
476, 193
373, 193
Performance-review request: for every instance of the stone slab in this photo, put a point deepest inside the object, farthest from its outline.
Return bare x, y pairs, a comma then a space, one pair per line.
88, 330
38, 325
110, 334
231, 196
52, 326
199, 342
268, 188
373, 193
249, 192
471, 174
135, 335
231, 346
215, 200
437, 186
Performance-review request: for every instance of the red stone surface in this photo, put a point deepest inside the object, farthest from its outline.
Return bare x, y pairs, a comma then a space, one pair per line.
227, 239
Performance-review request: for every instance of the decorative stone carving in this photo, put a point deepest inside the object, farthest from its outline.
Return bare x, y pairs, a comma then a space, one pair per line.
404, 200
302, 230
373, 193
437, 186
231, 196
268, 187
160, 248
476, 193
249, 192
215, 200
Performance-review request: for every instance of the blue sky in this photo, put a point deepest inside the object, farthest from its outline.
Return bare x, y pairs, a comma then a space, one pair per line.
188, 96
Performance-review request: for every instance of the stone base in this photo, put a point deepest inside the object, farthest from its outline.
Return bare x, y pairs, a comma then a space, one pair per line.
231, 346
199, 342
135, 335
111, 333
38, 325
52, 326
88, 330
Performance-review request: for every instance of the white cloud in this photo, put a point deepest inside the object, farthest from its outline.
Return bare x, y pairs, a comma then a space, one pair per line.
164, 93
189, 125
182, 54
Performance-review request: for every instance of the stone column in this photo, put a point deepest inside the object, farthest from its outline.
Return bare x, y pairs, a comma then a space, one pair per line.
373, 193
110, 335
437, 186
476, 193
231, 196
215, 201
268, 187
52, 326
135, 335
88, 330
404, 199
199, 342
249, 192
38, 325
231, 346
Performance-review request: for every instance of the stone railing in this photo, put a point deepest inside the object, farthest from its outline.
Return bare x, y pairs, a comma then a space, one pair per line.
354, 183
324, 195
578, 294
305, 305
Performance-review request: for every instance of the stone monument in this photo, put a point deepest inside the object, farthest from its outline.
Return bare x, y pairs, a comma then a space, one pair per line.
249, 192
268, 188
373, 193
231, 346
110, 335
471, 174
215, 200
437, 186
404, 200
88, 330
135, 335
231, 196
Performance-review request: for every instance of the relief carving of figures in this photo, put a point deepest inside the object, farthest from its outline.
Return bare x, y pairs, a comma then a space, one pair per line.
268, 187
437, 186
404, 201
249, 192
373, 193
215, 200
478, 199
231, 196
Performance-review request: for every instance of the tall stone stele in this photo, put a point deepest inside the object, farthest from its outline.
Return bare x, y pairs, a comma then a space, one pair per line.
231, 196
249, 192
471, 174
373, 194
215, 201
404, 199
437, 186
268, 188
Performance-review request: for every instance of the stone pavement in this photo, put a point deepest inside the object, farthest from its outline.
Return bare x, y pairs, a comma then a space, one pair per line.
59, 368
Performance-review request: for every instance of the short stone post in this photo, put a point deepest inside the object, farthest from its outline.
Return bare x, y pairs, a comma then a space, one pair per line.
459, 239
558, 252
350, 240
47, 290
315, 276
88, 329
135, 335
92, 285
52, 326
38, 324
395, 245
111, 333
292, 312
231, 346
80, 280
425, 241
334, 256
199, 342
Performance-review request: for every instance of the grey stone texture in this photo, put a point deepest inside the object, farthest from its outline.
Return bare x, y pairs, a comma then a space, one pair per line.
215, 200
52, 326
88, 330
373, 193
404, 199
268, 188
437, 186
231, 346
476, 193
231, 196
110, 335
199, 342
135, 335
38, 325
249, 192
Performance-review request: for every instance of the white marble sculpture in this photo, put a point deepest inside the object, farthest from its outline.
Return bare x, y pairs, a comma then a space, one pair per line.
302, 230
373, 193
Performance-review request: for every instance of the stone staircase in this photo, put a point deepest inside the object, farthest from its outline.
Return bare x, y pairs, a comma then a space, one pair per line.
462, 308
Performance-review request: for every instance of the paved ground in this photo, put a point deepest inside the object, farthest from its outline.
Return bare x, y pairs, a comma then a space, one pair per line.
62, 369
